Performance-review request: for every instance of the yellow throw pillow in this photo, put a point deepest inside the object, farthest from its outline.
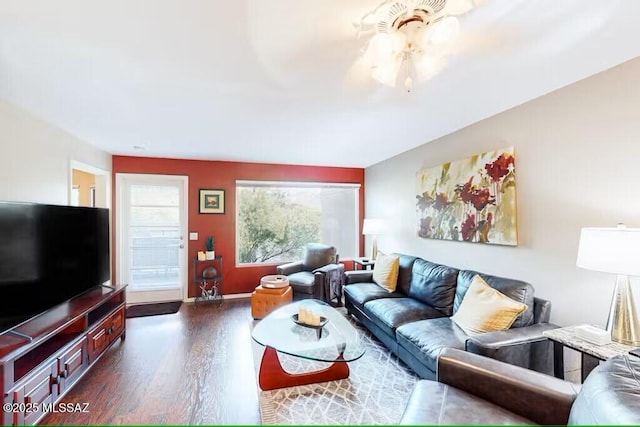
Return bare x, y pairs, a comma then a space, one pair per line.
385, 271
485, 309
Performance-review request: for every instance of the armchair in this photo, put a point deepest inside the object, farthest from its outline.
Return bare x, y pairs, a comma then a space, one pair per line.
317, 276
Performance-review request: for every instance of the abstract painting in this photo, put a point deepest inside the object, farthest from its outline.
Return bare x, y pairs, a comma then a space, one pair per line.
471, 200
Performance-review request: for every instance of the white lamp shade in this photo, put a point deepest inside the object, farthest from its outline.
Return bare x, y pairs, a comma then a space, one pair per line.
610, 250
372, 226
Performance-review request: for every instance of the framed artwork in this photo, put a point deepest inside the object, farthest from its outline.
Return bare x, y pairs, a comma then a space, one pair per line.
211, 200
469, 200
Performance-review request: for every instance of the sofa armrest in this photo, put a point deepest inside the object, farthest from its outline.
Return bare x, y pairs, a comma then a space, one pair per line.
290, 268
526, 346
541, 398
357, 276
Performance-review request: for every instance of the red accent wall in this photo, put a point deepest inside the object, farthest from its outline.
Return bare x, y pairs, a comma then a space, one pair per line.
221, 174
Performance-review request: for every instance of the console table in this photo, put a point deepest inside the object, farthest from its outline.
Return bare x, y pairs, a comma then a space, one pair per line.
590, 354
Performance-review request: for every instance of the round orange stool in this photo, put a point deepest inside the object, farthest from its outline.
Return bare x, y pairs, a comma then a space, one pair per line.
265, 300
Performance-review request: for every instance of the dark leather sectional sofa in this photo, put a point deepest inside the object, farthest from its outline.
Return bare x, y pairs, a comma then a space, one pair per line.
414, 322
476, 390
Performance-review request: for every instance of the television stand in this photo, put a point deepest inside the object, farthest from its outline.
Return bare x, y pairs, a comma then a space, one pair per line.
41, 359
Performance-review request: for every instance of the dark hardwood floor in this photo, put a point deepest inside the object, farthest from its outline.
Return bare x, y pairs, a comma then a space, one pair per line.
192, 367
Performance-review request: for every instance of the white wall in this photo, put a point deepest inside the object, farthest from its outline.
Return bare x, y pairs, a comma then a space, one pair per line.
35, 158
577, 164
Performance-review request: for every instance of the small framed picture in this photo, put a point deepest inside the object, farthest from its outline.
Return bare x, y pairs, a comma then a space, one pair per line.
212, 200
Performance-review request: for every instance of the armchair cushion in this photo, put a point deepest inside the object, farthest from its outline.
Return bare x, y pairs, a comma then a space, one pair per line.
302, 282
317, 255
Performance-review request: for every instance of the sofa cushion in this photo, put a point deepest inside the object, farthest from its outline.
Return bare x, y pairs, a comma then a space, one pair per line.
385, 271
389, 313
426, 338
404, 272
360, 293
302, 282
434, 284
432, 403
485, 309
517, 290
610, 394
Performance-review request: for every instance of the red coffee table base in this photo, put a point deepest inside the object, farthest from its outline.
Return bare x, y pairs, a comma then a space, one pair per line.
273, 376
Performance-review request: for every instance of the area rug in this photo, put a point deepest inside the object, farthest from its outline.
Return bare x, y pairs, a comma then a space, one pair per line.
142, 310
376, 391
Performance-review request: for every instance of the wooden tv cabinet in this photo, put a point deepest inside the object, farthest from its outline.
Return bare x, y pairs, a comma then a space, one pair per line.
43, 358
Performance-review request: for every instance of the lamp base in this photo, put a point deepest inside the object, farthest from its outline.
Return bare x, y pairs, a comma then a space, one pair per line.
623, 320
374, 249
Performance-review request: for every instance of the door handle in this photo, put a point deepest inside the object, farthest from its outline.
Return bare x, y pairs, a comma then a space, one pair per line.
181, 246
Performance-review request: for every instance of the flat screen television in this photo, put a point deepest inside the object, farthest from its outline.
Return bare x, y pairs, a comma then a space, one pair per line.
49, 254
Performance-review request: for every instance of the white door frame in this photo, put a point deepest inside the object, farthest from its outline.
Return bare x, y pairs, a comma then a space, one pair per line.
103, 182
120, 220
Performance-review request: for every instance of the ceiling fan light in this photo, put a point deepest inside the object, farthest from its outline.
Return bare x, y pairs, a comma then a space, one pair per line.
398, 41
422, 36
445, 31
380, 48
427, 66
387, 72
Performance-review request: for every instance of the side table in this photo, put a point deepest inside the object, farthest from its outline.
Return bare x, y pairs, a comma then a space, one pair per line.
590, 354
210, 286
363, 262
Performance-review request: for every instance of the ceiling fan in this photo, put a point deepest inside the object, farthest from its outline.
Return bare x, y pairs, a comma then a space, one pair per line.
410, 38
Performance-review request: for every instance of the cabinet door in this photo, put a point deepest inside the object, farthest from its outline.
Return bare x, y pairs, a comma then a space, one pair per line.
102, 335
40, 389
117, 324
72, 363
9, 418
97, 340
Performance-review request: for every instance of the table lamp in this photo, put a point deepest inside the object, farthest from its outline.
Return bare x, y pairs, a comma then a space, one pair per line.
615, 250
372, 227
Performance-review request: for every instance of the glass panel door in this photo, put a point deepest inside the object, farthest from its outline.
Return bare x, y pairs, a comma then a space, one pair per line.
152, 230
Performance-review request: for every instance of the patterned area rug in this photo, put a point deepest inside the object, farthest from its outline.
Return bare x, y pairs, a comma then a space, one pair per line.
376, 391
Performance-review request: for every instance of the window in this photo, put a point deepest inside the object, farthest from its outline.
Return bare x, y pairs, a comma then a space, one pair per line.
275, 220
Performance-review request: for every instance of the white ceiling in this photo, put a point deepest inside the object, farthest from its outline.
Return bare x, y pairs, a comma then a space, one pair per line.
272, 80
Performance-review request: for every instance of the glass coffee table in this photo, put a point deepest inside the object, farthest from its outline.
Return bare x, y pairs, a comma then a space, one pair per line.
337, 342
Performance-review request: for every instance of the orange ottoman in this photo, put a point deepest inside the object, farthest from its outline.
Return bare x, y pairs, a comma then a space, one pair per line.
265, 300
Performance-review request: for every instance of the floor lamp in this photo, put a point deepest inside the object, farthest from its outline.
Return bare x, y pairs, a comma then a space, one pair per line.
372, 227
615, 250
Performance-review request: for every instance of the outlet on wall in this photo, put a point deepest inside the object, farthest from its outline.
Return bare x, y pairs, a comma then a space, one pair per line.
193, 236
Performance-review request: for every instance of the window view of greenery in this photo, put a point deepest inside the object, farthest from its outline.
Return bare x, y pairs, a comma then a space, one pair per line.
275, 223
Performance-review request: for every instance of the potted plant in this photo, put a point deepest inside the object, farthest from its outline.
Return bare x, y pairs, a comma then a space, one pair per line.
210, 254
